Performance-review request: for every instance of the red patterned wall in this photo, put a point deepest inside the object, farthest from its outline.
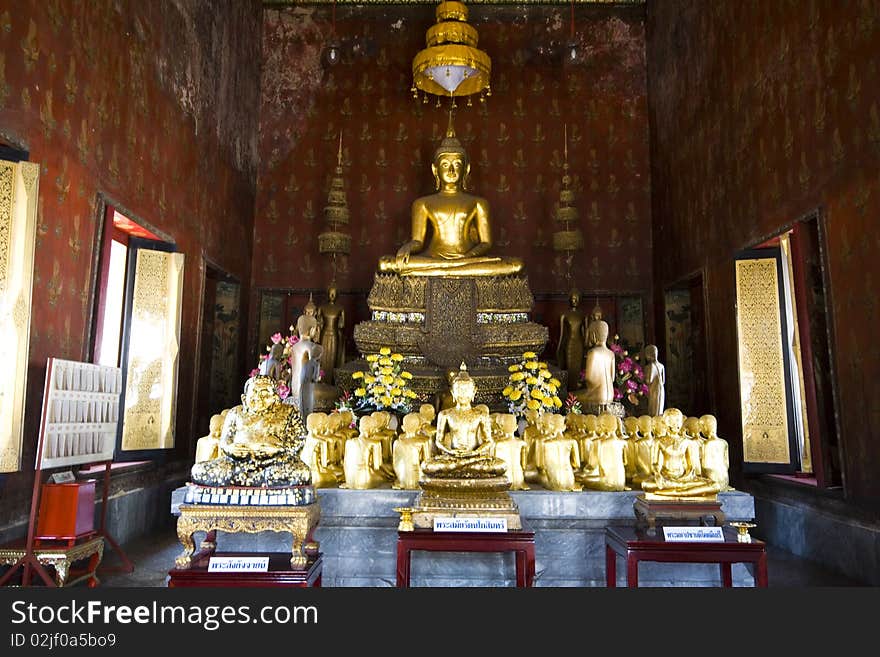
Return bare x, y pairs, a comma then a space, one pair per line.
761, 112
150, 104
515, 141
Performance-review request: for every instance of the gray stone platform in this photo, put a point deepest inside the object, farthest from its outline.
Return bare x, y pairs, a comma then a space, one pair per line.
358, 536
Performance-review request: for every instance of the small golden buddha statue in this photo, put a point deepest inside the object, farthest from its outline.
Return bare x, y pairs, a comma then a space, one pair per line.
589, 453
259, 444
644, 451
427, 428
347, 428
305, 359
674, 473
560, 456
510, 449
460, 234
410, 451
610, 456
532, 435
385, 433
631, 426
207, 447
691, 431
715, 454
464, 437
362, 462
318, 451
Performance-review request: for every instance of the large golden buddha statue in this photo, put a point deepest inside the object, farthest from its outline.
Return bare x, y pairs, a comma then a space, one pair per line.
460, 234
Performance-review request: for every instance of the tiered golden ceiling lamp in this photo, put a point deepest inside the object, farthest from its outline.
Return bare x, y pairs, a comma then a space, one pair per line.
451, 65
335, 241
569, 239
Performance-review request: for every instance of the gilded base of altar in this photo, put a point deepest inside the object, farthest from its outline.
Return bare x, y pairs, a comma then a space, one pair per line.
300, 521
464, 498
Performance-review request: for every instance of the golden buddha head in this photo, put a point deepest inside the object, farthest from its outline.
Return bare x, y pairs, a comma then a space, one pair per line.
259, 394
674, 420
597, 333
708, 426
412, 422
692, 427
450, 165
631, 422
316, 422
591, 423
658, 426
574, 299
331, 294
462, 387
651, 353
427, 412
216, 425
506, 422
607, 423
645, 424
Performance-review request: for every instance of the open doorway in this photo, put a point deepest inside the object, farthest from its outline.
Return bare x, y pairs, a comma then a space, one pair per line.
221, 373
684, 350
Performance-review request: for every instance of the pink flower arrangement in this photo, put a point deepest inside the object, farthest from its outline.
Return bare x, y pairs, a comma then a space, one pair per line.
629, 376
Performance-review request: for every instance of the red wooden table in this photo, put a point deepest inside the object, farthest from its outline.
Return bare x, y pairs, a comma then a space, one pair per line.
636, 545
280, 573
521, 543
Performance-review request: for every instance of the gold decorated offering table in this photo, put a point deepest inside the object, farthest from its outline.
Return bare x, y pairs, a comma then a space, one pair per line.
248, 510
61, 556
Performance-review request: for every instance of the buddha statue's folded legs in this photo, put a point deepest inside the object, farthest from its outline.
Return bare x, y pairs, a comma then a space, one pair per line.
427, 266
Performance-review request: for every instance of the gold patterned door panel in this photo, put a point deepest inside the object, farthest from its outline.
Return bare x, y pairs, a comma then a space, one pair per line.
152, 347
764, 380
19, 183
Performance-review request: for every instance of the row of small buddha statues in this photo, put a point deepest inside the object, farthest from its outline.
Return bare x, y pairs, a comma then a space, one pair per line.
666, 455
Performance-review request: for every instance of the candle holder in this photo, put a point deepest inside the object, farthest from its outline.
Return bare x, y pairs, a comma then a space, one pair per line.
406, 519
742, 529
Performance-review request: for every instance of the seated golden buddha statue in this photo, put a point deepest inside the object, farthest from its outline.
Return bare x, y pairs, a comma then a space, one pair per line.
319, 450
259, 444
510, 449
674, 471
715, 453
610, 454
362, 462
560, 456
207, 447
457, 223
464, 437
409, 452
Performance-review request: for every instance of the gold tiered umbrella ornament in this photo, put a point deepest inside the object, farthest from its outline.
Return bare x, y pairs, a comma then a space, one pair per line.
451, 65
334, 241
569, 239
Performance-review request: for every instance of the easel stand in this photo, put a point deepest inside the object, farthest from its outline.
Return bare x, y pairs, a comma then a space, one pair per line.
29, 561
127, 566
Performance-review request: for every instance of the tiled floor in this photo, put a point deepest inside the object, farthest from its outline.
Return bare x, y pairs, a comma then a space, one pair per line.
154, 556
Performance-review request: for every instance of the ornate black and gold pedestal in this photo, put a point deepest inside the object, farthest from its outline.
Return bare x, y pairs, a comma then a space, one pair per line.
436, 323
464, 498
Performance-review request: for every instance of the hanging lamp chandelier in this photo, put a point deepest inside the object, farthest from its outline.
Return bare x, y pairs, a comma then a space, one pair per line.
451, 65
